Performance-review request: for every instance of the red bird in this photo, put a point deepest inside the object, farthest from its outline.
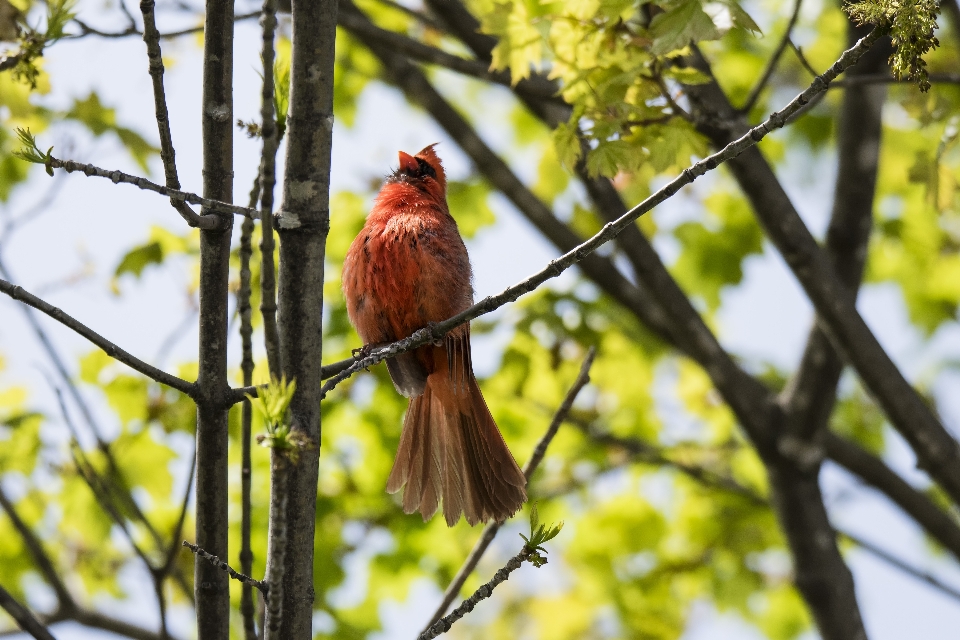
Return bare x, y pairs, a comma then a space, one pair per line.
406, 269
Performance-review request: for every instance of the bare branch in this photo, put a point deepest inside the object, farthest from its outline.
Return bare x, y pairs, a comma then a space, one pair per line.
87, 30
536, 87
223, 566
772, 62
872, 470
443, 625
268, 179
245, 311
490, 531
19, 293
118, 176
612, 229
903, 566
39, 554
23, 617
152, 39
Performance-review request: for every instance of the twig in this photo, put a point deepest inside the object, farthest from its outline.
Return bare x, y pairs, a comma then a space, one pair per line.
23, 617
223, 566
19, 293
537, 87
611, 230
772, 62
238, 394
151, 38
118, 176
907, 568
490, 531
87, 30
803, 59
268, 179
443, 625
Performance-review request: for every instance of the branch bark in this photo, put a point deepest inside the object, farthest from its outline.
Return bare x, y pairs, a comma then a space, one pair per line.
211, 585
303, 223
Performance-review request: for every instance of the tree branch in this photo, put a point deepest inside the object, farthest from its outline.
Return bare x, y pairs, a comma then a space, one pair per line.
23, 617
152, 39
212, 493
536, 87
20, 294
87, 30
443, 625
212, 204
612, 229
937, 452
223, 566
303, 223
490, 531
268, 178
872, 470
772, 62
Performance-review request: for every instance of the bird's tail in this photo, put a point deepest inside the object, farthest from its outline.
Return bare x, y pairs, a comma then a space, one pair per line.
451, 449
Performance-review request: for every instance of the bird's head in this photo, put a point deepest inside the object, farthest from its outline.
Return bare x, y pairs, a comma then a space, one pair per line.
423, 171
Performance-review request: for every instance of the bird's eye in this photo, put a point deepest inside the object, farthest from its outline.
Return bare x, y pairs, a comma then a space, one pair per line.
425, 168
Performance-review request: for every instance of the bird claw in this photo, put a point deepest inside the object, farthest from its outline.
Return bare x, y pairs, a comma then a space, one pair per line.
363, 351
437, 340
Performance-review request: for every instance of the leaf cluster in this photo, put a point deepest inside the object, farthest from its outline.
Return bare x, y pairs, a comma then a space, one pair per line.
33, 41
539, 534
911, 25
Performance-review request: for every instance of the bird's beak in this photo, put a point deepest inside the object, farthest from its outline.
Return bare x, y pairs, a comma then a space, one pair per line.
408, 162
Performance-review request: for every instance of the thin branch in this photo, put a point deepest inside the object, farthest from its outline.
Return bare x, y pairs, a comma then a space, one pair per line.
772, 62
246, 415
19, 293
87, 30
536, 87
23, 617
152, 39
872, 470
490, 531
902, 565
612, 229
223, 566
118, 176
268, 179
39, 554
443, 625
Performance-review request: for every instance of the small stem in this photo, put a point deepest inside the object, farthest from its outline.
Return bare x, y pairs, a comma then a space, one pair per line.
223, 566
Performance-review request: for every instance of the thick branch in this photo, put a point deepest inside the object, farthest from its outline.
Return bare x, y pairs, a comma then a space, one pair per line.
19, 293
212, 522
612, 229
303, 223
937, 452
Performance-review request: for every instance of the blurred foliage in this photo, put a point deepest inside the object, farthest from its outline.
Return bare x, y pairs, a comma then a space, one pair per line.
644, 544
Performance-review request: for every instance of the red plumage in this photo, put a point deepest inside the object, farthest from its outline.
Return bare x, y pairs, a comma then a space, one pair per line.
406, 269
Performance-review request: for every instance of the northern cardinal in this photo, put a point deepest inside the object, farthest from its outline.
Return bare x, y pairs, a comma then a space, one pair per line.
409, 268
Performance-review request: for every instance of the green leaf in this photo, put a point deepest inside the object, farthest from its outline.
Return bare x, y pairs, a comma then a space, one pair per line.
681, 25
100, 120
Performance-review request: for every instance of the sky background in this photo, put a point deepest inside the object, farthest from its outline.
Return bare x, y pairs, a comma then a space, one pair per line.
91, 223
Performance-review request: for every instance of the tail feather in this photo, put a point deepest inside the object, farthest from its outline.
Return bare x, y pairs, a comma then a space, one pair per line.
450, 447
